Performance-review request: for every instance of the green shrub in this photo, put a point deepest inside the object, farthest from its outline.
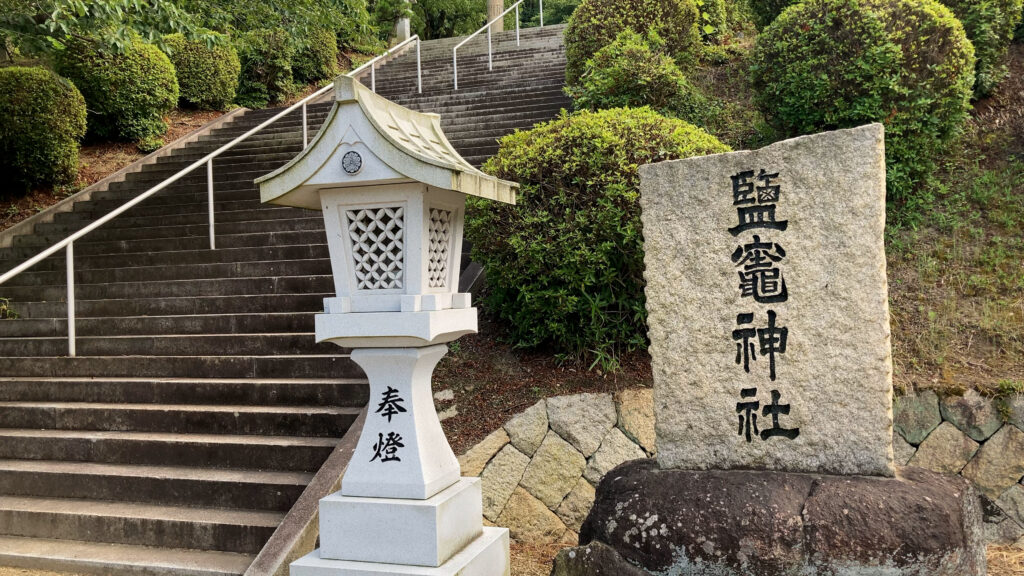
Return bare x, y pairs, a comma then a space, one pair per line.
596, 23
266, 57
766, 11
42, 118
207, 75
633, 71
714, 18
565, 264
828, 64
128, 94
318, 59
990, 27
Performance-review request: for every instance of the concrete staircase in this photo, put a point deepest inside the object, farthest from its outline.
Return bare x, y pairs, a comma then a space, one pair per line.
199, 406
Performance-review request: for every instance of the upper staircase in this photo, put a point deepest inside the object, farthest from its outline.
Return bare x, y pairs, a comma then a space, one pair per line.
199, 407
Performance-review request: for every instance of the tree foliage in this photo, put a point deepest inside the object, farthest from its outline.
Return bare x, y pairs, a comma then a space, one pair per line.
447, 18
45, 25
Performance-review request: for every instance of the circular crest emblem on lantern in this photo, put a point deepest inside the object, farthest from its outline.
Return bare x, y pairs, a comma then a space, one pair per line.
352, 162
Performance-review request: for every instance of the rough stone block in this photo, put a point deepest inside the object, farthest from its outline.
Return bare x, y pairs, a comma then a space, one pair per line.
808, 213
615, 449
594, 559
529, 520
636, 416
743, 523
902, 450
945, 450
582, 419
975, 415
500, 478
576, 506
474, 461
554, 470
527, 430
1016, 406
1012, 503
999, 463
916, 415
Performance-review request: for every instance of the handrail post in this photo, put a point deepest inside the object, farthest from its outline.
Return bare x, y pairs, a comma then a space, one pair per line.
70, 261
373, 77
305, 128
419, 66
517, 24
209, 197
541, 13
490, 60
455, 67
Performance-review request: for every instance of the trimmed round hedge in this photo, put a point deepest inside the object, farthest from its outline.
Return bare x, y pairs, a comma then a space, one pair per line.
267, 76
990, 26
207, 75
565, 264
318, 60
42, 118
128, 94
633, 71
596, 23
829, 64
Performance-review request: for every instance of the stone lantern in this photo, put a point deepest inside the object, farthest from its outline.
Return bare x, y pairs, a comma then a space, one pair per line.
392, 190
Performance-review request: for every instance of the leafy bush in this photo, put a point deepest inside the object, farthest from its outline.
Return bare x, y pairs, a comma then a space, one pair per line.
828, 64
714, 18
632, 72
42, 118
127, 93
207, 75
990, 26
596, 23
266, 57
565, 264
318, 59
766, 11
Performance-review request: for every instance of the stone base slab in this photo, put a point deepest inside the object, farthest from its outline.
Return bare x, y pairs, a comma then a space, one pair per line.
395, 329
417, 532
758, 523
488, 555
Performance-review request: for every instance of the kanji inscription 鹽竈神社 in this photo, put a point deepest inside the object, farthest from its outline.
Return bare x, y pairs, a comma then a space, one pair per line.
768, 315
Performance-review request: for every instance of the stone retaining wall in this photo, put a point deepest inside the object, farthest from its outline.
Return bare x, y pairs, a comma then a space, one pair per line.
540, 469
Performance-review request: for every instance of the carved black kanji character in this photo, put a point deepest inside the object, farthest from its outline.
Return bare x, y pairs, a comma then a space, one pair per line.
747, 412
387, 448
760, 216
766, 191
772, 341
743, 188
744, 341
760, 279
391, 404
773, 411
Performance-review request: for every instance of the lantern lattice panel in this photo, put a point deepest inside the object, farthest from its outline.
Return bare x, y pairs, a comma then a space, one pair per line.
378, 246
440, 245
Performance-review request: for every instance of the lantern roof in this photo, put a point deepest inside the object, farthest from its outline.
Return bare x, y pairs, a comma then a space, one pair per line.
403, 145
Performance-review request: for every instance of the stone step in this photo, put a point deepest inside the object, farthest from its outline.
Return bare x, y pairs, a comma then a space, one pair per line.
242, 531
189, 214
278, 392
54, 232
215, 451
304, 366
177, 288
266, 323
170, 345
148, 484
178, 306
101, 559
317, 421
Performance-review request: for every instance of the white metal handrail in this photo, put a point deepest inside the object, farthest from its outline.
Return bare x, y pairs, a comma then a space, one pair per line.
490, 57
68, 244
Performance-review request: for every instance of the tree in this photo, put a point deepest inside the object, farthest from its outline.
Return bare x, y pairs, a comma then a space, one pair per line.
447, 18
45, 25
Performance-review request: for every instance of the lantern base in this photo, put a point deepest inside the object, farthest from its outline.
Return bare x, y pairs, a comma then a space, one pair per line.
488, 555
395, 329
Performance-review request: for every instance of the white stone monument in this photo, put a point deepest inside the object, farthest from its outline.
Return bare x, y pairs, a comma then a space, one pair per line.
392, 190
768, 303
